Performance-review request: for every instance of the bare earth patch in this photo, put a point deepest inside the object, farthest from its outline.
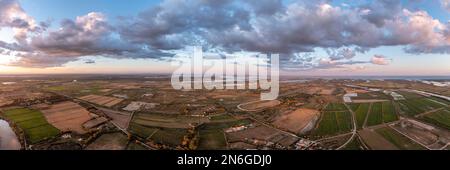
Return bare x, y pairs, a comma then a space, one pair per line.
258, 105
369, 101
67, 116
297, 120
376, 141
111, 141
102, 100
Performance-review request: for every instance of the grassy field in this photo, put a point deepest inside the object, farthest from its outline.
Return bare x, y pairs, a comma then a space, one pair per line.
56, 88
376, 115
221, 117
333, 123
440, 100
335, 107
141, 131
389, 114
413, 107
212, 139
354, 106
398, 139
171, 137
355, 144
361, 114
33, 123
409, 95
371, 95
344, 120
440, 118
224, 125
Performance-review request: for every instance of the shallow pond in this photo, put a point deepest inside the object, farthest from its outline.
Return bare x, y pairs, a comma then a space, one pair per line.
8, 139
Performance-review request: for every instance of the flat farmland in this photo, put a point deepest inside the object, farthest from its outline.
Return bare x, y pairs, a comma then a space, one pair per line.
420, 135
258, 105
110, 141
354, 106
389, 114
440, 118
371, 96
333, 123
297, 120
409, 95
355, 144
67, 116
412, 107
335, 107
141, 131
166, 121
259, 132
376, 115
226, 124
33, 123
212, 139
398, 139
262, 133
375, 141
361, 114
102, 100
171, 137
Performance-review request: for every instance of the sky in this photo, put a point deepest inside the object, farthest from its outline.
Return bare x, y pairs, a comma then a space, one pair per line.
323, 37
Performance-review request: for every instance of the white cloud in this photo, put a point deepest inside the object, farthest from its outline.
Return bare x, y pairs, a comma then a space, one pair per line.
380, 60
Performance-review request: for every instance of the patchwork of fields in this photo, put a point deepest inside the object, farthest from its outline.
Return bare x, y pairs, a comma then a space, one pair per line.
334, 122
361, 111
440, 118
412, 107
33, 123
398, 139
102, 100
381, 113
67, 116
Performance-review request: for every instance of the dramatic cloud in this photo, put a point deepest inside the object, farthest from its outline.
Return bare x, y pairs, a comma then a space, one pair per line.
174, 24
295, 30
13, 16
88, 35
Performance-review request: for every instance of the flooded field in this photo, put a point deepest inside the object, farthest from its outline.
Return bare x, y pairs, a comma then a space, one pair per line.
8, 139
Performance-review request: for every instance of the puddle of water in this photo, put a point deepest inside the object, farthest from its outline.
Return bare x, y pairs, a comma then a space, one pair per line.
8, 139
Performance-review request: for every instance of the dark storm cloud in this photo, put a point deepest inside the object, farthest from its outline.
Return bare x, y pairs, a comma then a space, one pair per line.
175, 24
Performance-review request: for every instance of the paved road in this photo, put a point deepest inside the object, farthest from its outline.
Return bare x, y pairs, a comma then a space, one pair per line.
354, 128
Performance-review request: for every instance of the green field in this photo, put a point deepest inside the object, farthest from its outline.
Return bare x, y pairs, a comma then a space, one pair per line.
355, 144
33, 123
398, 139
56, 88
333, 123
335, 107
440, 100
409, 95
221, 117
354, 106
141, 131
171, 137
413, 107
212, 139
371, 95
361, 114
389, 114
225, 125
376, 115
440, 118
